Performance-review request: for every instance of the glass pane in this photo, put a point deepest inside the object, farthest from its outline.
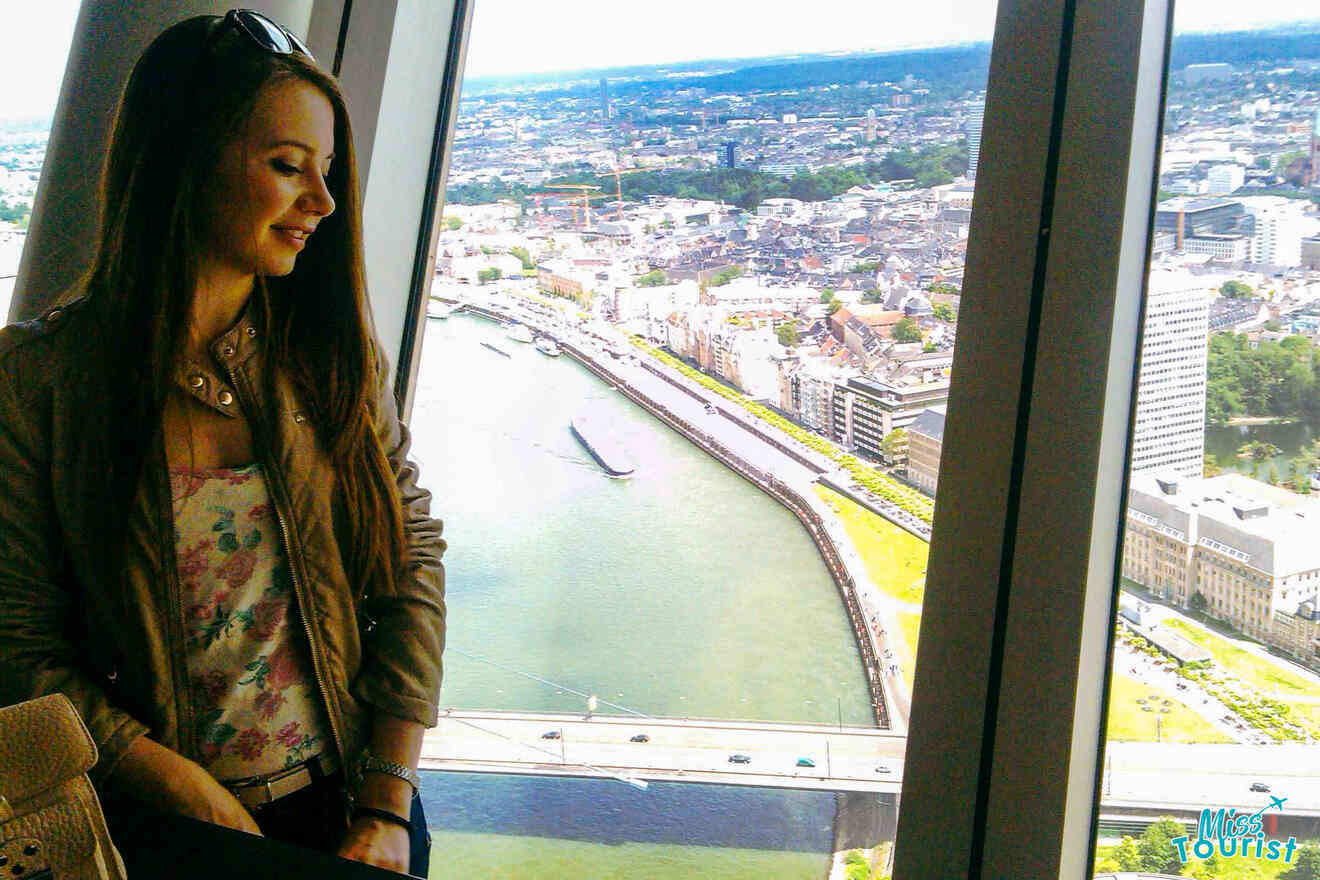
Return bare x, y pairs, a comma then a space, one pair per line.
681, 397
27, 103
1211, 765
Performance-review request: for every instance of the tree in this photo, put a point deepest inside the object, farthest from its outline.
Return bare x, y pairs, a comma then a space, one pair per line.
788, 334
873, 296
867, 267
452, 223
1236, 290
491, 274
943, 312
1306, 863
833, 307
1127, 855
654, 278
1158, 854
906, 330
894, 443
521, 254
1205, 869
1211, 467
724, 276
827, 295
1198, 601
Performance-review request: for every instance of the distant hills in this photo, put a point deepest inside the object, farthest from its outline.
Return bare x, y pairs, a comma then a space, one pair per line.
935, 65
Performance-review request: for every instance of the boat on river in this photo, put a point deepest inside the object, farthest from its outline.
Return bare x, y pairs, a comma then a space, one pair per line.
437, 309
518, 333
547, 346
497, 350
603, 447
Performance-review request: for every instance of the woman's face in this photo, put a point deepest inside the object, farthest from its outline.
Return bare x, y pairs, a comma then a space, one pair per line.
269, 191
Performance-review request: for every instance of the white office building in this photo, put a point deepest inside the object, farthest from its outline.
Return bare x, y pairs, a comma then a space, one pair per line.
1169, 433
1225, 178
975, 119
1277, 240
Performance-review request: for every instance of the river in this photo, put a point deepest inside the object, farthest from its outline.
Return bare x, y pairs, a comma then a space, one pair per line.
682, 591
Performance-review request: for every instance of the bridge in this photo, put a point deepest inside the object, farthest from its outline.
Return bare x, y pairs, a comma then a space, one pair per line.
675, 750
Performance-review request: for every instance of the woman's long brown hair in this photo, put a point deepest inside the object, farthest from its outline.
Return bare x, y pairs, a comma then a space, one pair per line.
190, 93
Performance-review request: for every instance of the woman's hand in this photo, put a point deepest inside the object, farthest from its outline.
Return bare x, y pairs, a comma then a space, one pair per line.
377, 842
150, 772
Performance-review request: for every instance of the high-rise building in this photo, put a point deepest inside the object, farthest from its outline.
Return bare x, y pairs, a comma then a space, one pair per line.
870, 125
604, 99
1168, 435
1226, 178
1315, 151
974, 121
1279, 225
730, 157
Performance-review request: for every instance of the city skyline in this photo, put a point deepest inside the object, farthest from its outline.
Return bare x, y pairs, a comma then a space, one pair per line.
545, 40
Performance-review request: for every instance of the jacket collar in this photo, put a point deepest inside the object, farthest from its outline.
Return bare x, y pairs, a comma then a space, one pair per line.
229, 351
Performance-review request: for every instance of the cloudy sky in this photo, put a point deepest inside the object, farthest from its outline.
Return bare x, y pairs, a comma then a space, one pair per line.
518, 36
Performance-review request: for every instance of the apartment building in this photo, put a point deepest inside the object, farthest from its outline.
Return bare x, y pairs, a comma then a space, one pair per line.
1238, 549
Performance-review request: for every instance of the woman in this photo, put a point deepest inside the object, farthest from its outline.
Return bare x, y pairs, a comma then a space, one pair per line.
211, 538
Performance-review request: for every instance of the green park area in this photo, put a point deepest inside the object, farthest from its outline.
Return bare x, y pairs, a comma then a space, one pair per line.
1270, 678
895, 559
1132, 715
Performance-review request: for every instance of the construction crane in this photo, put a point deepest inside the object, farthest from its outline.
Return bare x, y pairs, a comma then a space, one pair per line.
618, 185
584, 193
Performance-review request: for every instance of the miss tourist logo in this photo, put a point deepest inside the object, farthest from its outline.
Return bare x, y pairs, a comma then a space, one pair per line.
1229, 833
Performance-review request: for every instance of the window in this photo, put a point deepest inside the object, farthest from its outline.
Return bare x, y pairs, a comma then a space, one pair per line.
616, 249
27, 104
1184, 683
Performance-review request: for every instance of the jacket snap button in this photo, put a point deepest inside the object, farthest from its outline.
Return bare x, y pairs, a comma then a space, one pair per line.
112, 676
197, 381
252, 331
228, 351
225, 398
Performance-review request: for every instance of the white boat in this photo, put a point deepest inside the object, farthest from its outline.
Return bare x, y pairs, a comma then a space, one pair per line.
518, 333
546, 345
438, 309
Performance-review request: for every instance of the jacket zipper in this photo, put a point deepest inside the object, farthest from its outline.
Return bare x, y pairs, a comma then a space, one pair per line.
277, 496
170, 563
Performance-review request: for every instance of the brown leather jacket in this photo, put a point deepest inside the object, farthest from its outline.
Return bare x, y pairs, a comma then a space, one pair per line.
120, 657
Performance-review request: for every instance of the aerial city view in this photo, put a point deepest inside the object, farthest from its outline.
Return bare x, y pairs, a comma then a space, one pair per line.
681, 401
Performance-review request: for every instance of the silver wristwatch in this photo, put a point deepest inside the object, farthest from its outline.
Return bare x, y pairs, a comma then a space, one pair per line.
370, 763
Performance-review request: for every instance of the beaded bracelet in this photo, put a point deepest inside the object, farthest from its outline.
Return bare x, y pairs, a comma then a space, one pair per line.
386, 815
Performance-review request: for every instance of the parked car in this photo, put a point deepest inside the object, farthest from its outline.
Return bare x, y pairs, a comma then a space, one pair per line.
551, 734
1259, 786
740, 759
805, 762
639, 738
883, 768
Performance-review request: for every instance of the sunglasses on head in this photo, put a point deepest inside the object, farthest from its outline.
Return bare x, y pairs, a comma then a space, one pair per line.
272, 37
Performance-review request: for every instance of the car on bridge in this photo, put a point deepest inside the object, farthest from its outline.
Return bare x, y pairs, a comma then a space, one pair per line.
883, 768
1259, 786
639, 738
805, 762
740, 759
551, 734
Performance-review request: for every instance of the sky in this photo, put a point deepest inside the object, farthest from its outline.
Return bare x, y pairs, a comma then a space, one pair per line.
521, 36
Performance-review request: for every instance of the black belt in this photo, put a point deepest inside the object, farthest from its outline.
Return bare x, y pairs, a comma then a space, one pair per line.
259, 791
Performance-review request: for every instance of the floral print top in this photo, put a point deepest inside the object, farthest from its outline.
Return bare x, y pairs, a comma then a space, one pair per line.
254, 692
